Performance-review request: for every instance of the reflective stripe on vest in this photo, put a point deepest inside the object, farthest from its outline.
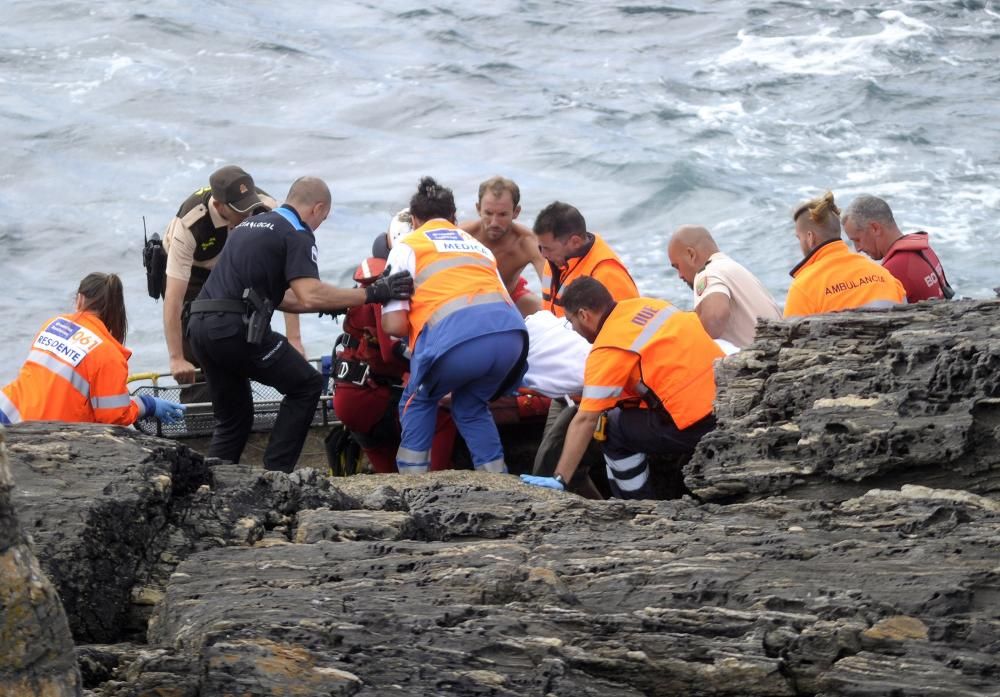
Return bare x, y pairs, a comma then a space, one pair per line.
676, 359
111, 402
450, 263
53, 364
453, 306
878, 305
452, 271
651, 328
8, 410
601, 391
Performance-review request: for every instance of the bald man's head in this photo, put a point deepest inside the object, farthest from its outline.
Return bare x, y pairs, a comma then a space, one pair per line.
310, 197
689, 250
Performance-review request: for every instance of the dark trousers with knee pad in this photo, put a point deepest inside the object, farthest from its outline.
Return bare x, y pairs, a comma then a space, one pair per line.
632, 434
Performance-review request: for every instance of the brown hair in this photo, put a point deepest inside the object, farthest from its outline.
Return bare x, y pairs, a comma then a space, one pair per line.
824, 215
432, 201
587, 292
104, 295
498, 185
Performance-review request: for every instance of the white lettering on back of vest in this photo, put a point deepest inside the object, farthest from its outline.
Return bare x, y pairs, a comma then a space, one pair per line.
67, 340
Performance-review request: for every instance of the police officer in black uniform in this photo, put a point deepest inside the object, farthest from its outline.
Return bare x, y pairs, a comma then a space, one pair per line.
270, 262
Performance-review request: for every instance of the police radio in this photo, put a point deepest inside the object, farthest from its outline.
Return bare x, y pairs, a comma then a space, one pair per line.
154, 259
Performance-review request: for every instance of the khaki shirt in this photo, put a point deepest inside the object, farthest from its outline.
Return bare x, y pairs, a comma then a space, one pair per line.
180, 243
749, 299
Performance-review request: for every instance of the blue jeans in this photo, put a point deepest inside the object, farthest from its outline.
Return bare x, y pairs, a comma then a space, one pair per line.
472, 372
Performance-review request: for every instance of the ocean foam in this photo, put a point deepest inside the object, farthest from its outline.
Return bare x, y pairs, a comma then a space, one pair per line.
826, 52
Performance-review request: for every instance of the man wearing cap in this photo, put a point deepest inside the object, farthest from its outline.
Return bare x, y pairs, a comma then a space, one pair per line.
514, 245
193, 241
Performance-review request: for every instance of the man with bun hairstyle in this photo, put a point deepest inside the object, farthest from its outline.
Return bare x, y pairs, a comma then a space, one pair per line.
370, 367
465, 335
832, 277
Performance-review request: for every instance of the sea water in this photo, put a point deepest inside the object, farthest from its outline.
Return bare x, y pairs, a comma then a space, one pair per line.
645, 115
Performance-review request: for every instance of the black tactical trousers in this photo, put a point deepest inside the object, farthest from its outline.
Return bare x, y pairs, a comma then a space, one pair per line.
631, 435
229, 363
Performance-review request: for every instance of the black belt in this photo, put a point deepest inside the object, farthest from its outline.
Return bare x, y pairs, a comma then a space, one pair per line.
224, 305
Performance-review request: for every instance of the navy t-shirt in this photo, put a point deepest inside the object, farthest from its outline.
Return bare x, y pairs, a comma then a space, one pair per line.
264, 252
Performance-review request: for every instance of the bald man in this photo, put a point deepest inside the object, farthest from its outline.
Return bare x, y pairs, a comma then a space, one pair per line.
270, 262
727, 298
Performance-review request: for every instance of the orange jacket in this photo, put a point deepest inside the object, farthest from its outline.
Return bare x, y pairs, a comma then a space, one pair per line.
76, 371
834, 278
453, 270
647, 349
601, 263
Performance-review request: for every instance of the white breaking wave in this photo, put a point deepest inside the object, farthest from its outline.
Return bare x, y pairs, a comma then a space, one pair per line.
827, 51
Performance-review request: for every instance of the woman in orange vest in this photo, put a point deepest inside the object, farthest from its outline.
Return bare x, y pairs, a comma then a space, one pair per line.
466, 336
77, 369
651, 370
369, 368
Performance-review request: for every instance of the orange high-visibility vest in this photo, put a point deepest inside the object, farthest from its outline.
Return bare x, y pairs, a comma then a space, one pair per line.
834, 278
600, 263
676, 359
453, 271
76, 371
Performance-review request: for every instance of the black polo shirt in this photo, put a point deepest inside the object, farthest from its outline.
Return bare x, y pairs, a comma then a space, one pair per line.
264, 252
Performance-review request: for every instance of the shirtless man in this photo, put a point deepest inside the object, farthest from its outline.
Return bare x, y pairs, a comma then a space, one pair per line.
513, 244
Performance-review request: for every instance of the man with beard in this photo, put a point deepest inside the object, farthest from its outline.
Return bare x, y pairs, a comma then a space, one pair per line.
573, 252
513, 244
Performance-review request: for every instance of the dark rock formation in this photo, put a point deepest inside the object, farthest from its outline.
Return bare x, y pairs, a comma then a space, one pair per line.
36, 649
830, 406
225, 580
465, 583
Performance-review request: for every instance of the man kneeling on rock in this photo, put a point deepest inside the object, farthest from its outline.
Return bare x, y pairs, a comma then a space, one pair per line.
650, 373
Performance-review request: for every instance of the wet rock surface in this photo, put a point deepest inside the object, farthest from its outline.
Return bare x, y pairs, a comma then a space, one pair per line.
231, 581
830, 406
36, 648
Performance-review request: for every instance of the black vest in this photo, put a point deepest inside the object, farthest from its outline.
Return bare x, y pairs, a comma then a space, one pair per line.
208, 239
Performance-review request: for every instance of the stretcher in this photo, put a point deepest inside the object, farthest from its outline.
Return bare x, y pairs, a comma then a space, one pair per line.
199, 421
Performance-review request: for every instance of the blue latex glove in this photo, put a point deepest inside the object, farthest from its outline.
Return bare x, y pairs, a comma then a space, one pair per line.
169, 412
164, 410
544, 482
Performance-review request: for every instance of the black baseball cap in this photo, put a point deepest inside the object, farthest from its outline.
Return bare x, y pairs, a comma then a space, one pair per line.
232, 186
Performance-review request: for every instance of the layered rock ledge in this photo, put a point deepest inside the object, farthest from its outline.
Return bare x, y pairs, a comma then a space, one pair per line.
830, 406
182, 577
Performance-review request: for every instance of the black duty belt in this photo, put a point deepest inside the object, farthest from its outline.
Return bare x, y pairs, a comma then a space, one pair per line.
224, 305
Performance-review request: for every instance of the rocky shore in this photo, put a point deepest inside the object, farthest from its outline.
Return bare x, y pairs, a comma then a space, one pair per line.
840, 540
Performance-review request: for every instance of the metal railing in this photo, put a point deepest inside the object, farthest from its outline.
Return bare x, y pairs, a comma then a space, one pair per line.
199, 420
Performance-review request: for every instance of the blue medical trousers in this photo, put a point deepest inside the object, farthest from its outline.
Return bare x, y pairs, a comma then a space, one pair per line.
472, 372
